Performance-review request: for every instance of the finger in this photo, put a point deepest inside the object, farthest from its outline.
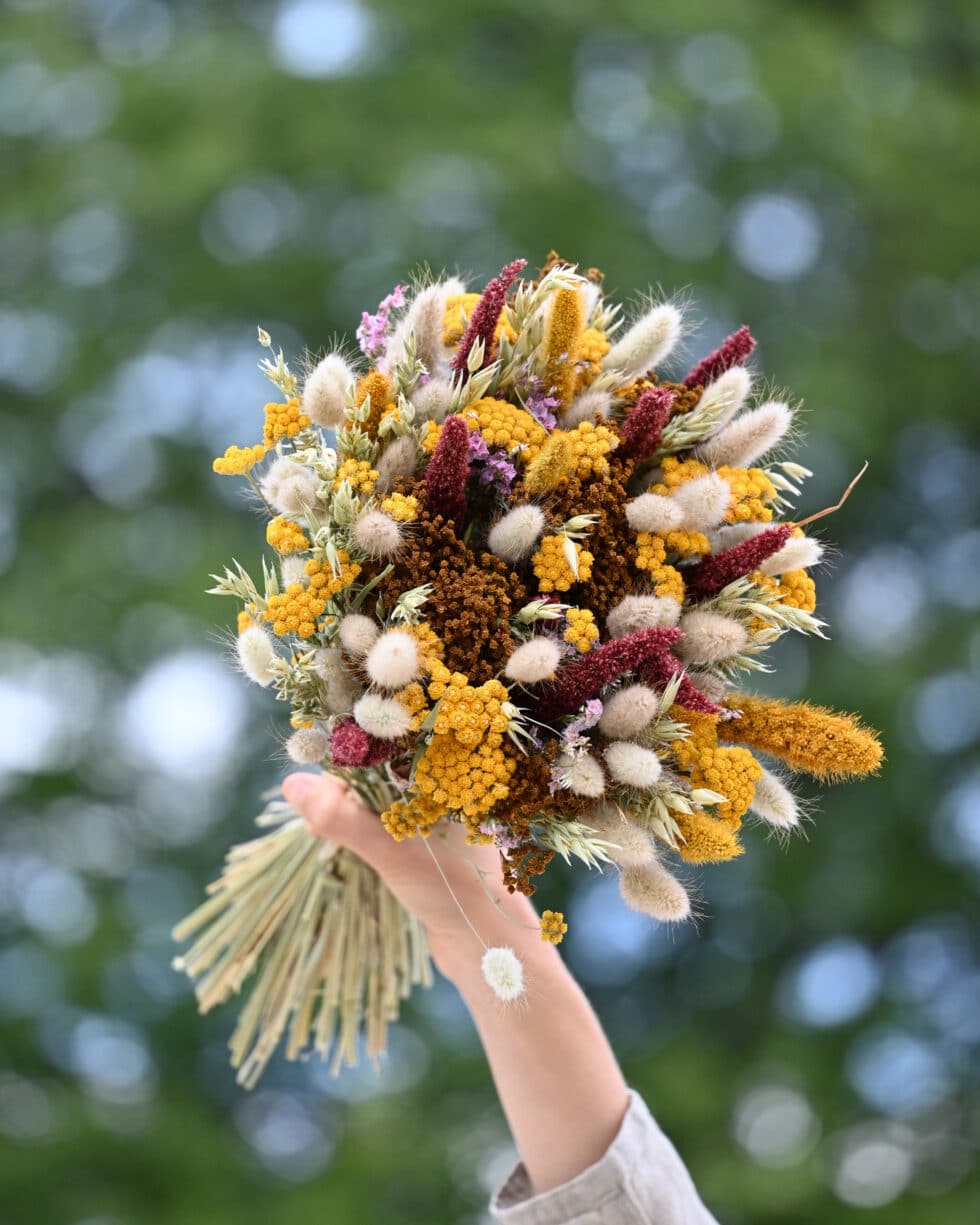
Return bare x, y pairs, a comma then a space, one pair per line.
332, 809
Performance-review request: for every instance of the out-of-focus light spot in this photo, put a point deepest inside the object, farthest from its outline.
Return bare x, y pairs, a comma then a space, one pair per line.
929, 317
897, 1073
956, 570
322, 38
686, 220
955, 1011
112, 1059
156, 896
36, 349
286, 1133
873, 1165
612, 102
747, 127
249, 220
55, 904
451, 192
22, 85
881, 602
832, 984
90, 247
878, 78
922, 960
947, 712
81, 104
776, 236
184, 716
942, 469
121, 469
130, 32
776, 1125
956, 829
42, 730
609, 942
31, 980
716, 67
26, 1112
405, 1064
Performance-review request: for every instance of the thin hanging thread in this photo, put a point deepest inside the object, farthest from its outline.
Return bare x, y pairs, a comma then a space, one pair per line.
459, 906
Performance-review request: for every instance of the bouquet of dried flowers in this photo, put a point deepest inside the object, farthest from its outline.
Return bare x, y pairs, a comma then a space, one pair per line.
516, 585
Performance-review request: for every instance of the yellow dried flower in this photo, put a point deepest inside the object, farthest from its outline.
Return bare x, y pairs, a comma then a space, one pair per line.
408, 817
247, 618
359, 472
582, 630
550, 469
402, 507
705, 839
283, 421
751, 489
238, 460
453, 325
551, 565
651, 555
377, 386
565, 325
590, 444
733, 773
502, 424
431, 646
285, 536
553, 926
592, 348
687, 544
413, 698
430, 436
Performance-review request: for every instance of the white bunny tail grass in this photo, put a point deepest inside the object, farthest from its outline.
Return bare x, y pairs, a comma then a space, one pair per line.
629, 711
383, 717
433, 399
748, 437
393, 661
533, 661
727, 535
710, 637
256, 655
647, 343
358, 633
503, 972
293, 569
515, 536
652, 512
652, 890
798, 553
722, 399
423, 319
632, 764
377, 534
325, 389
642, 612
628, 844
581, 775
333, 953
342, 687
308, 746
397, 459
703, 502
711, 685
774, 802
592, 404
289, 487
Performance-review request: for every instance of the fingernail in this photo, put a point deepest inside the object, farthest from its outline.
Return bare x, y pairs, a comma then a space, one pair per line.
296, 787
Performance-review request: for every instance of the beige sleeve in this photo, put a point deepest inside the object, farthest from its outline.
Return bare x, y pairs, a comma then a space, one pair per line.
640, 1180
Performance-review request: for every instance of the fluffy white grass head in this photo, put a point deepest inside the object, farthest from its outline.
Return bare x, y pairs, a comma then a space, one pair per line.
712, 686
774, 802
432, 399
383, 717
503, 972
377, 534
582, 775
725, 396
591, 403
798, 553
632, 764
642, 612
423, 318
358, 633
324, 391
292, 569
730, 534
652, 890
629, 711
703, 502
393, 661
749, 436
515, 536
647, 342
289, 487
307, 745
628, 844
256, 655
533, 661
397, 459
652, 512
710, 637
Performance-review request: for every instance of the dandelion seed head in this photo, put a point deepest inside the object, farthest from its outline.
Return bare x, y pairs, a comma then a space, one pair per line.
377, 534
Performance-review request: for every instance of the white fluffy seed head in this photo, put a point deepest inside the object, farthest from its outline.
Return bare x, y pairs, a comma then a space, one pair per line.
383, 717
358, 633
703, 502
641, 612
726, 395
798, 553
652, 890
647, 343
324, 391
503, 972
393, 661
774, 802
748, 437
289, 487
328, 663
515, 535
397, 459
377, 534
582, 775
256, 654
628, 711
433, 399
632, 764
652, 512
710, 637
424, 318
308, 745
292, 569
628, 844
712, 686
730, 534
592, 403
533, 661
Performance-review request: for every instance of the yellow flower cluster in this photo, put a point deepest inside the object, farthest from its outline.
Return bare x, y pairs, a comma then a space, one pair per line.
467, 780
733, 773
551, 565
505, 425
751, 489
413, 698
469, 712
376, 385
687, 544
295, 610
565, 325
321, 575
237, 460
465, 303
795, 588
705, 839
286, 536
553, 926
360, 474
431, 646
592, 348
408, 817
248, 617
590, 444
283, 421
402, 507
651, 555
582, 630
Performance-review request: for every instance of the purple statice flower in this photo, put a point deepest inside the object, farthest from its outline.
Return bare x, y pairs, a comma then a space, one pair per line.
498, 471
573, 738
478, 447
372, 335
503, 838
538, 401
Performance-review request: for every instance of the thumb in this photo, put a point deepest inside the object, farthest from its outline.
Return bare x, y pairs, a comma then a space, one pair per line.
332, 809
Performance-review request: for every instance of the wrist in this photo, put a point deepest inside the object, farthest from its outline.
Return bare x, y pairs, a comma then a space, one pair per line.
458, 954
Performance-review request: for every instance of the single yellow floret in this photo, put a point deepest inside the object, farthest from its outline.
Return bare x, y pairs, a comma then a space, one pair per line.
285, 536
553, 926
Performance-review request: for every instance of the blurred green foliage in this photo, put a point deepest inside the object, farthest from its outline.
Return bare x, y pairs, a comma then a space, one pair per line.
174, 174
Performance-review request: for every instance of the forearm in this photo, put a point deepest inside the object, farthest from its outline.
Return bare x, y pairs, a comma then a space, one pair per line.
560, 1086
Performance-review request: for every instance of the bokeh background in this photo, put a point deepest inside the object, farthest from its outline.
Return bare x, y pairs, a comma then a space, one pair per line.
174, 174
